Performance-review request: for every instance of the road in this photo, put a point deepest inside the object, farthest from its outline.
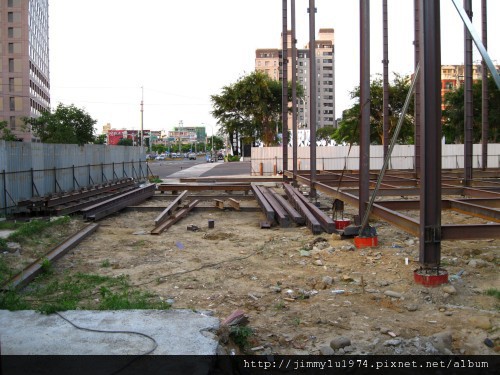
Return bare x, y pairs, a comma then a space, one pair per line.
178, 168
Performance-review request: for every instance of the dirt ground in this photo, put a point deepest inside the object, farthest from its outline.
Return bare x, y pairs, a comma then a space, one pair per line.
300, 291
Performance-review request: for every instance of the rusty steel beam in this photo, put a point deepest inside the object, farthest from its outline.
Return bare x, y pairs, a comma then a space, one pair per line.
115, 204
230, 179
313, 123
292, 212
281, 215
284, 85
174, 218
470, 232
485, 124
484, 202
400, 220
170, 208
312, 223
468, 115
34, 269
205, 187
468, 208
263, 203
326, 222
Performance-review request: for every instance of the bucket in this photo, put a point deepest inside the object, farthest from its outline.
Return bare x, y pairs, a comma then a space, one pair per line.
341, 224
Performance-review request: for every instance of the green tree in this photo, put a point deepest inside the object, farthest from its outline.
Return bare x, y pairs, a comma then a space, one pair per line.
159, 148
453, 114
5, 133
251, 107
100, 139
125, 142
348, 130
218, 143
326, 133
67, 124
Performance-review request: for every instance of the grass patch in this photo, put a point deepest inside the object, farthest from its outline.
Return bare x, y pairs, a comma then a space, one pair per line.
106, 264
155, 180
494, 292
10, 225
35, 227
3, 244
241, 335
48, 294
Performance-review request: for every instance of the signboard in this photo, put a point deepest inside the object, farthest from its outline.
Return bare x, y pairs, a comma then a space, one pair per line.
114, 136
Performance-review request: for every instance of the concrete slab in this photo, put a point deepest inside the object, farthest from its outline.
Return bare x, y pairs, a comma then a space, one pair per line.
4, 233
177, 332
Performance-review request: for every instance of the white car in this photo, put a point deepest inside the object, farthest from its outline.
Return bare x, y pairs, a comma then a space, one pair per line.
192, 156
160, 157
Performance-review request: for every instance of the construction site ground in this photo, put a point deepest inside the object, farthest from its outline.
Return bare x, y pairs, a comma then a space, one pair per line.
302, 293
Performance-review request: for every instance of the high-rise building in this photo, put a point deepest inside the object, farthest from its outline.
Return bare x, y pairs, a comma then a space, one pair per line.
24, 62
269, 61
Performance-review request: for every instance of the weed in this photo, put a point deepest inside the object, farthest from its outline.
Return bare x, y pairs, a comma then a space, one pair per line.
280, 305
12, 300
296, 321
494, 292
3, 244
10, 225
155, 180
46, 266
240, 335
106, 263
35, 227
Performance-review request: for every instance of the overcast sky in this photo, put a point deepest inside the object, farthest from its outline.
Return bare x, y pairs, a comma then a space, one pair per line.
103, 51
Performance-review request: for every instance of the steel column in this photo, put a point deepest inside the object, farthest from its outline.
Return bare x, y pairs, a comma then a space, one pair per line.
385, 61
364, 160
468, 116
430, 168
284, 81
294, 91
417, 88
485, 99
312, 93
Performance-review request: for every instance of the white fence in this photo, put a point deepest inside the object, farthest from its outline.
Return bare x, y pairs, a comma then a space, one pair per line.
338, 157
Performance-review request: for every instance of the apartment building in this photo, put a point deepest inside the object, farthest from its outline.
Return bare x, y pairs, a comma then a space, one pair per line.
24, 62
269, 60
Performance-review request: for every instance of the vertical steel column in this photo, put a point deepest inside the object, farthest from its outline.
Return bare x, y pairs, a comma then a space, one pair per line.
364, 138
385, 61
294, 91
284, 81
468, 116
430, 169
485, 100
313, 94
416, 44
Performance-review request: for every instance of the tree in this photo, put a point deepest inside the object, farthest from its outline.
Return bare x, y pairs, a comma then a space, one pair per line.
251, 107
326, 133
100, 139
5, 133
67, 124
125, 142
453, 114
218, 143
348, 130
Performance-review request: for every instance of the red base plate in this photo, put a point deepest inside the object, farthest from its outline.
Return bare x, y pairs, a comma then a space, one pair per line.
361, 242
430, 277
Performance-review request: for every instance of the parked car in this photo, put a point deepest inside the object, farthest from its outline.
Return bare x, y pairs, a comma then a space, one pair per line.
160, 157
192, 156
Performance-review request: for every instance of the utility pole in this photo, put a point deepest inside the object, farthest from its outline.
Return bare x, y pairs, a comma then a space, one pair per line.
142, 116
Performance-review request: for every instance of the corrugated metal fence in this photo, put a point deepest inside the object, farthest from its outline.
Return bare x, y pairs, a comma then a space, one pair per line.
338, 157
35, 169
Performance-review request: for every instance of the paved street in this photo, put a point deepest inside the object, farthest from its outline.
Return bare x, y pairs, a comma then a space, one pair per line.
197, 168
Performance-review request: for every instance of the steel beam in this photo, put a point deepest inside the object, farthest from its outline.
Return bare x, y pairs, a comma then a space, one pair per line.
175, 218
292, 212
312, 223
485, 126
170, 208
468, 115
284, 81
294, 91
417, 87
263, 203
364, 138
470, 232
430, 169
385, 63
312, 94
281, 215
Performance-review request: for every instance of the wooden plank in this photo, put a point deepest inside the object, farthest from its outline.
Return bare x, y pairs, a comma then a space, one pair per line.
175, 218
326, 222
292, 212
234, 203
280, 213
311, 221
170, 208
219, 203
263, 203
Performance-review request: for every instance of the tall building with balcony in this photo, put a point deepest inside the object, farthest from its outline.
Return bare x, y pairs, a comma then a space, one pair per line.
24, 62
270, 61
